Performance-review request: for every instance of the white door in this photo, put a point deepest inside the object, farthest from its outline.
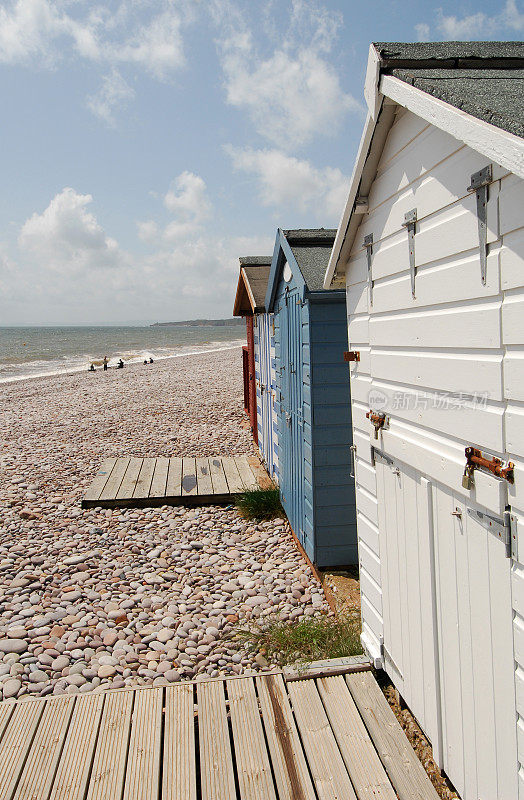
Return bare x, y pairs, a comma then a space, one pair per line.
448, 639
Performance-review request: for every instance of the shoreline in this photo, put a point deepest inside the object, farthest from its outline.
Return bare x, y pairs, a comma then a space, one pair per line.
80, 370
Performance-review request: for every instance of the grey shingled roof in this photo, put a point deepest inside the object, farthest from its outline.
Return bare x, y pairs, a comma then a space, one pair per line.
484, 79
312, 249
257, 277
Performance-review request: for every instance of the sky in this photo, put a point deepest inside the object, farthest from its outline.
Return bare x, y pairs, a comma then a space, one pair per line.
146, 144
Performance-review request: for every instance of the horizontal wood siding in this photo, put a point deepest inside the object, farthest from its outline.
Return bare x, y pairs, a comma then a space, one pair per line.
448, 366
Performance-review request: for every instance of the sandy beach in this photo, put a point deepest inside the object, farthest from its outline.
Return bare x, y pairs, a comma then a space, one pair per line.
98, 598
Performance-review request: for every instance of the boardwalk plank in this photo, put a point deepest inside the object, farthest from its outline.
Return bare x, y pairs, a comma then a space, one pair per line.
189, 478
204, 482
402, 765
101, 478
159, 482
218, 477
42, 761
253, 767
112, 486
289, 763
179, 777
127, 487
6, 709
247, 475
174, 478
75, 762
109, 764
327, 766
365, 768
234, 481
16, 743
145, 746
216, 764
143, 484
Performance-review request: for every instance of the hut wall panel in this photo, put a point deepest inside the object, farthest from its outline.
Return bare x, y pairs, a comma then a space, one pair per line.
457, 336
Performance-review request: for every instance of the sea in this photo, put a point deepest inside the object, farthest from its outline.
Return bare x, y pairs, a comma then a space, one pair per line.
27, 352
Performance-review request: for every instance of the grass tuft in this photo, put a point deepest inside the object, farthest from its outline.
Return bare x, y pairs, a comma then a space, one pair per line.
260, 504
311, 639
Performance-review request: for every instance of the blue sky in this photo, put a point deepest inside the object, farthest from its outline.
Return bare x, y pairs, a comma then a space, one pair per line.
146, 145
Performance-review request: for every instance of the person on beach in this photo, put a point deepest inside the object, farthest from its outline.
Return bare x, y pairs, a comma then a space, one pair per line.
92, 368
145, 361
105, 363
120, 364
150, 360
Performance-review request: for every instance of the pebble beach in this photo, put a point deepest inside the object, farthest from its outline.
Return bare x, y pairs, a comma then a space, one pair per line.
96, 599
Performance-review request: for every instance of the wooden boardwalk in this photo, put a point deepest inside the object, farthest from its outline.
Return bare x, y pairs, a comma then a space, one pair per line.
246, 738
139, 482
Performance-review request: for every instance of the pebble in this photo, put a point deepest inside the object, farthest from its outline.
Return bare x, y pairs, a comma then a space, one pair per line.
99, 598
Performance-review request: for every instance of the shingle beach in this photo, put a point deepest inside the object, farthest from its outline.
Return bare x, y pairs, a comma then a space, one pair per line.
99, 599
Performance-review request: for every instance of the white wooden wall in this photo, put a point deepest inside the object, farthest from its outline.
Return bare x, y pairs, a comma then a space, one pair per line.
458, 337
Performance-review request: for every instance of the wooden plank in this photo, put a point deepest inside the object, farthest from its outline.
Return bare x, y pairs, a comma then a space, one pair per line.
261, 476
179, 766
143, 484
234, 481
109, 764
112, 486
6, 709
252, 760
40, 767
216, 763
101, 478
246, 473
204, 482
367, 774
159, 482
127, 487
16, 743
174, 478
402, 765
287, 757
189, 478
325, 762
218, 476
145, 747
75, 761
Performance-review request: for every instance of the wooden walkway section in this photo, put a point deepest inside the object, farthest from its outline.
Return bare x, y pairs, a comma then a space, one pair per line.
246, 738
145, 482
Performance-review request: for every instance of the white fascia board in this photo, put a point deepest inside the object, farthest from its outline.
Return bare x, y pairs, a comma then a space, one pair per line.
371, 95
502, 147
365, 142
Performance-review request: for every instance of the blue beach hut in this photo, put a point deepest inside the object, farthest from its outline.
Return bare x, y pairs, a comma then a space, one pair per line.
249, 302
312, 397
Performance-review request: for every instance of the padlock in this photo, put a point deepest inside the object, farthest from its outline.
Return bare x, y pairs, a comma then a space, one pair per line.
467, 479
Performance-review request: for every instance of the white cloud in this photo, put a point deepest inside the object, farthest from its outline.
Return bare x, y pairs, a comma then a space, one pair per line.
114, 94
292, 93
475, 26
67, 238
190, 206
285, 181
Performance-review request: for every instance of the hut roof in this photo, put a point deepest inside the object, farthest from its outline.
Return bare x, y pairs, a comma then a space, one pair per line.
312, 249
252, 285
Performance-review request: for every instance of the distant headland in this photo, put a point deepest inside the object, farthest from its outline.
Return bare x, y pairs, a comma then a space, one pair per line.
200, 323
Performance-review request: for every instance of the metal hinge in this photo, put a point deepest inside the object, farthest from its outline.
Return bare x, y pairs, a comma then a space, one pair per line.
368, 244
479, 184
379, 454
352, 355
352, 451
410, 222
504, 528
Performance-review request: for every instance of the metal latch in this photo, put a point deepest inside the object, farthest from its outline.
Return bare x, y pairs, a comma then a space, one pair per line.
410, 222
368, 244
475, 459
479, 184
504, 529
378, 419
352, 450
352, 355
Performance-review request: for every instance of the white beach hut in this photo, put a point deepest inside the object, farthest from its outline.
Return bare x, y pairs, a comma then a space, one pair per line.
431, 251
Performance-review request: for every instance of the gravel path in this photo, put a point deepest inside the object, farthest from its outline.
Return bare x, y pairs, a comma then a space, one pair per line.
97, 599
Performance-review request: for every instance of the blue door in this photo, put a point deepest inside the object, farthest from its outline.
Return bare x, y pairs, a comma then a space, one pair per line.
292, 427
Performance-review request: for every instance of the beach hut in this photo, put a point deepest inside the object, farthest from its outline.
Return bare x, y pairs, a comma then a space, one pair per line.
259, 357
312, 383
430, 250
